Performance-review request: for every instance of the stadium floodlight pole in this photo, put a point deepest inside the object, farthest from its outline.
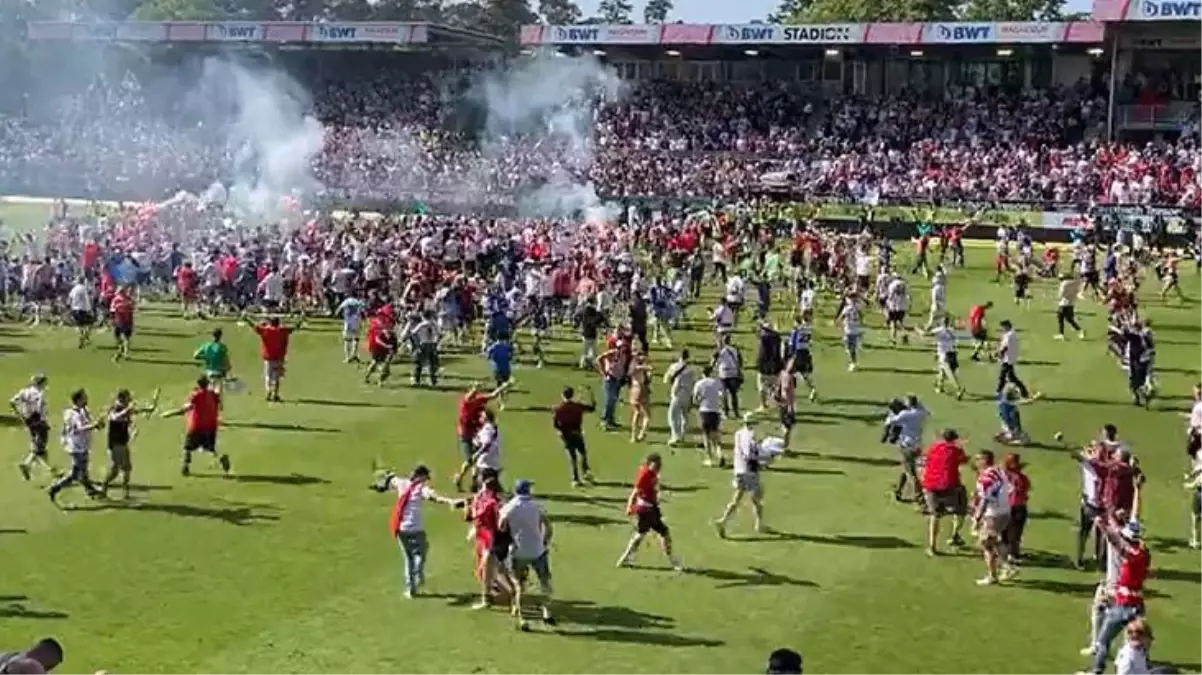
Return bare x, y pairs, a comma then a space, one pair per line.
1110, 104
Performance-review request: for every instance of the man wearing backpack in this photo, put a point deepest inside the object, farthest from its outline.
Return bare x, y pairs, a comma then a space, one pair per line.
991, 515
43, 657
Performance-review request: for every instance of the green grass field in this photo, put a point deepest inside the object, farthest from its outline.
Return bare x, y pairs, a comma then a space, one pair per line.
289, 568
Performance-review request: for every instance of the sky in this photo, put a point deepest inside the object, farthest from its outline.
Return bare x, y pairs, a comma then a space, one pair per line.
740, 11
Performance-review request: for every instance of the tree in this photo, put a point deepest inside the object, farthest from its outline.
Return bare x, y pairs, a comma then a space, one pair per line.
559, 12
656, 11
176, 10
1014, 10
863, 11
615, 11
505, 18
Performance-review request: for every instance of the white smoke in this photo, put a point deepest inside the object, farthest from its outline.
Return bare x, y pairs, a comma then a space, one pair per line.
271, 140
547, 105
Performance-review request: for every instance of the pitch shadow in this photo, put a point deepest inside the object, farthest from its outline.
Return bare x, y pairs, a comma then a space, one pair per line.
276, 426
343, 404
757, 576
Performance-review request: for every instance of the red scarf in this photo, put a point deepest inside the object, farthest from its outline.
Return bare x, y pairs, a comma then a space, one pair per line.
398, 513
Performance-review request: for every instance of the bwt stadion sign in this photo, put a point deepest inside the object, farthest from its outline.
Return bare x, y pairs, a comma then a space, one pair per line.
1167, 10
816, 34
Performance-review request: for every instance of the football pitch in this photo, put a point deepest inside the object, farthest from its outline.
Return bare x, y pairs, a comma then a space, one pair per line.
289, 567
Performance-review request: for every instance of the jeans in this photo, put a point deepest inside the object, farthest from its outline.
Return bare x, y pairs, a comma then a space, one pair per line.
1116, 619
416, 548
677, 412
613, 388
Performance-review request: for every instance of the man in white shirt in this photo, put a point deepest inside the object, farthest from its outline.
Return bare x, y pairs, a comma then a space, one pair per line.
77, 441
530, 530
1007, 355
707, 395
29, 404
79, 300
407, 524
723, 318
487, 444
896, 303
991, 517
1066, 313
746, 460
271, 289
729, 364
938, 310
680, 379
947, 361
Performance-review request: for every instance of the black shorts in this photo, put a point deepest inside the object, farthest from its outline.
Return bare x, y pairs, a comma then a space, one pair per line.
39, 433
1066, 312
651, 520
573, 443
896, 316
1196, 503
711, 421
82, 318
1193, 443
205, 440
952, 361
501, 542
380, 354
123, 330
980, 334
803, 362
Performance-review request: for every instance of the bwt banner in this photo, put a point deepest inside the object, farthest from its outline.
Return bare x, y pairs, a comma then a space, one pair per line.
1165, 10
762, 34
958, 33
359, 32
234, 31
601, 35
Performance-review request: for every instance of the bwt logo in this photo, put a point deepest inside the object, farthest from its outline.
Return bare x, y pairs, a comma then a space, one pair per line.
1171, 9
236, 32
749, 33
964, 33
338, 32
577, 34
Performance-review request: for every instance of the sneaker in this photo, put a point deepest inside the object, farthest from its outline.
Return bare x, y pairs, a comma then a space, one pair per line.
481, 604
677, 564
548, 618
1193, 543
24, 469
1009, 572
185, 470
956, 542
720, 528
575, 483
224, 461
986, 581
813, 395
1089, 651
1081, 335
851, 367
524, 625
1058, 336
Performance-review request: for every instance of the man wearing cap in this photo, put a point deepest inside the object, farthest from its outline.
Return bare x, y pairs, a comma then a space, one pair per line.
43, 657
747, 477
527, 524
784, 662
1128, 590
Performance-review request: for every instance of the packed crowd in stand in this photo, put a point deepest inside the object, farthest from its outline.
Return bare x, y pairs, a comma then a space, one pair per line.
400, 134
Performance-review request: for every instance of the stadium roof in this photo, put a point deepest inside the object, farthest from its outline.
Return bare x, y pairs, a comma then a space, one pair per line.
945, 33
316, 33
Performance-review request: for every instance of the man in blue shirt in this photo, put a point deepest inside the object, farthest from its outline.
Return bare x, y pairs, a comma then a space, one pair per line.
500, 359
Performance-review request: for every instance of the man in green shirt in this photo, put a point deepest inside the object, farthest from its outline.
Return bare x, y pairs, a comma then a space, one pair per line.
215, 357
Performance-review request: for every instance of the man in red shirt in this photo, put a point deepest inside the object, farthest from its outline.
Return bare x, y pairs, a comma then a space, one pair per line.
203, 417
644, 506
185, 282
492, 545
942, 488
473, 403
978, 330
273, 347
381, 344
1128, 589
121, 311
